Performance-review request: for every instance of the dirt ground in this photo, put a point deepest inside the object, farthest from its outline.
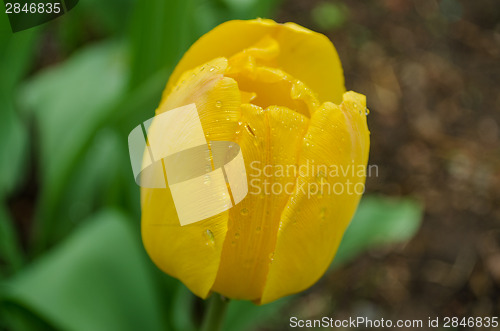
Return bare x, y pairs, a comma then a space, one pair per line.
431, 74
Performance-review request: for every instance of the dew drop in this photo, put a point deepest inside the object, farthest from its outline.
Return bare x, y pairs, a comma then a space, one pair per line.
367, 111
322, 213
249, 129
210, 237
271, 256
257, 142
244, 212
212, 69
206, 180
321, 177
236, 235
218, 103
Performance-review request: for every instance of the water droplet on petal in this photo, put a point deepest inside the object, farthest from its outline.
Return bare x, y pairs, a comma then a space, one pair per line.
321, 177
244, 212
212, 69
322, 213
257, 142
210, 237
218, 103
249, 129
236, 235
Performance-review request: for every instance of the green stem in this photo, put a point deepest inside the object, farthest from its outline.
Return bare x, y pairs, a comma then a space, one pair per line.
214, 317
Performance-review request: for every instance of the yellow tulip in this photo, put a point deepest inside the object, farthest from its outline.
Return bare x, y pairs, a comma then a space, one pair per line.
278, 91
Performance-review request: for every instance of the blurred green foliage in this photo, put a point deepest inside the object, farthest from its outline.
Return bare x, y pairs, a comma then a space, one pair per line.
77, 261
330, 15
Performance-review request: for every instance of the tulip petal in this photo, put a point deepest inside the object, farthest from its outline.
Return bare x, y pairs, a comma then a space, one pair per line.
217, 99
270, 137
312, 224
304, 54
192, 252
271, 86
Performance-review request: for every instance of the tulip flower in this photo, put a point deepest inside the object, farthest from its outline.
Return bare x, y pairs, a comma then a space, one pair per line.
278, 91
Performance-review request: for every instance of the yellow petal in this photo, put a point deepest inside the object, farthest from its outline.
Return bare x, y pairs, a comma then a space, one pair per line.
306, 55
192, 253
267, 137
217, 99
271, 86
312, 225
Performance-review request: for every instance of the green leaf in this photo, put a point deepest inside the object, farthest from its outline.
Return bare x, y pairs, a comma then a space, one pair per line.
13, 146
95, 18
16, 52
250, 9
10, 251
244, 315
160, 33
69, 103
98, 279
97, 181
379, 221
329, 16
181, 309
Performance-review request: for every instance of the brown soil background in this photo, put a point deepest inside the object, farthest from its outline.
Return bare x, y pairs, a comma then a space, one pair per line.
431, 73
